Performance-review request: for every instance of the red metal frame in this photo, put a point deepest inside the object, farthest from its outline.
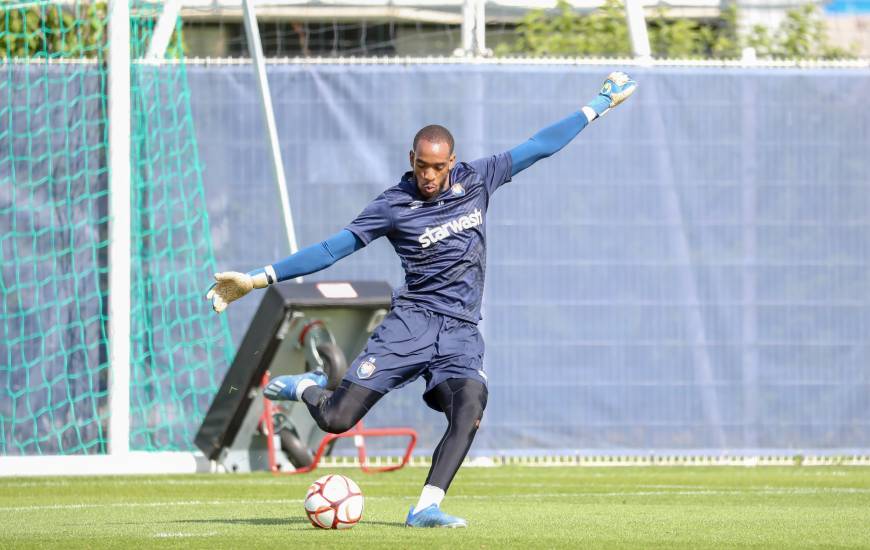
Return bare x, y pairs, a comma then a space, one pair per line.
358, 433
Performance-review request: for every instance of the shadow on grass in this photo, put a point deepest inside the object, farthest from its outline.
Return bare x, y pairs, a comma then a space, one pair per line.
293, 523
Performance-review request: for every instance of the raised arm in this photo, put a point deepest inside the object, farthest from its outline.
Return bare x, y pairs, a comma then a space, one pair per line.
616, 89
232, 285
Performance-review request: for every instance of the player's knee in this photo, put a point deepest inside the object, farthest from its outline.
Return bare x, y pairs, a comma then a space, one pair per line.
469, 404
339, 411
468, 419
335, 422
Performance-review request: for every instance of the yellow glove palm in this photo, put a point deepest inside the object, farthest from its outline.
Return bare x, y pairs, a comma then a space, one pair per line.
232, 285
618, 87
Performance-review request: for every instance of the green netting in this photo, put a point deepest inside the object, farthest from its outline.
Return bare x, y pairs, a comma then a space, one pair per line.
177, 340
54, 239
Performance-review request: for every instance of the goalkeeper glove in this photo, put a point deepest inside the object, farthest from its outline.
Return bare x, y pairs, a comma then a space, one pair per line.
229, 286
616, 89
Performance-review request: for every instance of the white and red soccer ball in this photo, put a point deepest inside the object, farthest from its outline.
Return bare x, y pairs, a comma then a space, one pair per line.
334, 502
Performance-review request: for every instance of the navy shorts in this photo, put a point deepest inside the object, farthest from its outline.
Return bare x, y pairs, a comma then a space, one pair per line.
413, 341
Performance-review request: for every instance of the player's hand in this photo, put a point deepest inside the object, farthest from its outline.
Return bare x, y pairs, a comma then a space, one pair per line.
616, 88
229, 286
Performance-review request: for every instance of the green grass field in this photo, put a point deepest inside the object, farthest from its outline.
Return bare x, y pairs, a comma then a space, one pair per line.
510, 506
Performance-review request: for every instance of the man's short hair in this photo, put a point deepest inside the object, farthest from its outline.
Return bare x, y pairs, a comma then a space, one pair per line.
434, 134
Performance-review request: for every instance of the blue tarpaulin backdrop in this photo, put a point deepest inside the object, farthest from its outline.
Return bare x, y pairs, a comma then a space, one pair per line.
691, 274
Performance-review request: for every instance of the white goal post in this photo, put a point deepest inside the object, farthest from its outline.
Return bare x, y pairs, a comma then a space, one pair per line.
119, 459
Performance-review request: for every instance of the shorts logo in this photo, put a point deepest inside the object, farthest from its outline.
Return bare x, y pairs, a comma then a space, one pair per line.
366, 368
457, 190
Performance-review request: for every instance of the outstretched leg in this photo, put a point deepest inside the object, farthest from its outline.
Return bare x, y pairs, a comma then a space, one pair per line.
463, 401
334, 411
338, 411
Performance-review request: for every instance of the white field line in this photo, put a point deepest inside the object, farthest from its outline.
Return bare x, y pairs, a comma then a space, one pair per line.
560, 495
199, 482
229, 481
183, 535
168, 504
699, 492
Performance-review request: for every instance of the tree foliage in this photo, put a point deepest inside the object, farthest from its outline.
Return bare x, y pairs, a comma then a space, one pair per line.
69, 31
52, 30
688, 38
604, 32
803, 34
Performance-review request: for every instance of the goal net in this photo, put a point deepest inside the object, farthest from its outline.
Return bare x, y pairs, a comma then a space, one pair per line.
54, 238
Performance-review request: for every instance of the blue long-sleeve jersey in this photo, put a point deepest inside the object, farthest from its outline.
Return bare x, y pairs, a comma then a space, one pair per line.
441, 242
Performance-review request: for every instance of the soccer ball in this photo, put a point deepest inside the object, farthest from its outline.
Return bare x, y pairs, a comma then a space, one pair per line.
334, 502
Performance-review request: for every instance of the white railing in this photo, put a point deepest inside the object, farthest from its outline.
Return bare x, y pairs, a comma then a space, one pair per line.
577, 61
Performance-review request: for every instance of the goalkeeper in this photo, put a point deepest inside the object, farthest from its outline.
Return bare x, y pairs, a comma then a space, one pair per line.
435, 218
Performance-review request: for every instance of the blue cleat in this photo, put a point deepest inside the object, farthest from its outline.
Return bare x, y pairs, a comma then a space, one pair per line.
283, 388
432, 516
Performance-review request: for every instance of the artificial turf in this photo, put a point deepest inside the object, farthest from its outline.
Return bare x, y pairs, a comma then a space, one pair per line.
506, 507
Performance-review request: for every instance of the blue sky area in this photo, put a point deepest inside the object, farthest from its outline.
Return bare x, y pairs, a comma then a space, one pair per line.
848, 6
